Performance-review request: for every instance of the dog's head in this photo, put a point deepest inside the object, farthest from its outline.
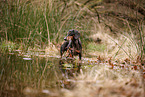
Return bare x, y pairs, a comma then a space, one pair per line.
72, 34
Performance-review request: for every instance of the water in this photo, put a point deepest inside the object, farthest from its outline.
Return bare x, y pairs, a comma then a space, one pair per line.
22, 76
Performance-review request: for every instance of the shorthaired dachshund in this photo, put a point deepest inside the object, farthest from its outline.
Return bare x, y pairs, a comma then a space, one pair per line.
72, 44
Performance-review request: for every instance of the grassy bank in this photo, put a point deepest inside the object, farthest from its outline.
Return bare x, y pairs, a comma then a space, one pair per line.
100, 81
42, 24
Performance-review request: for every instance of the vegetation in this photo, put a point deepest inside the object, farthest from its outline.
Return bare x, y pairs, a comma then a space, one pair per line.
42, 23
109, 29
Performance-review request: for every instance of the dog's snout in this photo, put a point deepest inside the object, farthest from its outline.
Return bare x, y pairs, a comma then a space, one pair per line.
65, 38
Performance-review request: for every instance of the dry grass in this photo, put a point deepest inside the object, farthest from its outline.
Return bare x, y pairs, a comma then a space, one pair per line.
120, 46
51, 50
100, 81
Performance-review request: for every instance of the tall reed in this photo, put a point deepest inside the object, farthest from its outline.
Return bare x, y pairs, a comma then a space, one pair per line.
31, 21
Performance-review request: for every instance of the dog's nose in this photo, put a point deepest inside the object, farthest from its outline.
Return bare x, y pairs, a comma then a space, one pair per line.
65, 38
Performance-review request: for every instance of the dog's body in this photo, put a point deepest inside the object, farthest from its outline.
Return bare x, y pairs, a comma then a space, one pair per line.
72, 44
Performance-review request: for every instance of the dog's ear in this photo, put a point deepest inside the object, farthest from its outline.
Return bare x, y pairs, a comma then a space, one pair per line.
77, 34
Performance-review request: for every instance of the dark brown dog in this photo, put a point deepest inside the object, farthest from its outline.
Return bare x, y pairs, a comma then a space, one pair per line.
72, 44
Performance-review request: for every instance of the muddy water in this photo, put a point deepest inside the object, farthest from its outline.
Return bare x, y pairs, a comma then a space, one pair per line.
21, 76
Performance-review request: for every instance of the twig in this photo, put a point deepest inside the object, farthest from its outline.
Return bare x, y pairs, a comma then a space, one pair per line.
47, 26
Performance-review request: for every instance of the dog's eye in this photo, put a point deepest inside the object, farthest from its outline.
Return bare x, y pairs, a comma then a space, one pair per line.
69, 33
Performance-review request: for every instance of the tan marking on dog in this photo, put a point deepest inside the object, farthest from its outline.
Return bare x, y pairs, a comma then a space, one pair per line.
70, 38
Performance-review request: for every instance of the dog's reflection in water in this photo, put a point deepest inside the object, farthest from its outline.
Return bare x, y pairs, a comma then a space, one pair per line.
69, 70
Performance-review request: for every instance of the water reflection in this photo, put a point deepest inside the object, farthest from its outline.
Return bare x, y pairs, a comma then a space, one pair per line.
69, 69
18, 73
